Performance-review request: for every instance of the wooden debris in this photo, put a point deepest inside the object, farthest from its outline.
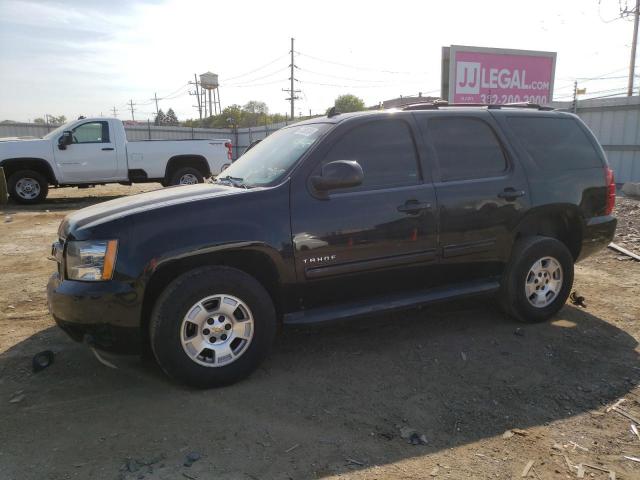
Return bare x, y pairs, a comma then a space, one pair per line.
633, 459
624, 413
634, 429
291, 449
355, 462
620, 249
527, 468
519, 431
580, 471
615, 405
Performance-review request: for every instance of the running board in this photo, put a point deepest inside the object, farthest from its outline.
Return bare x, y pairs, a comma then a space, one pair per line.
389, 303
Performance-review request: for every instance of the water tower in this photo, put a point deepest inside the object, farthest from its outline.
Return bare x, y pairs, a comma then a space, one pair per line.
209, 83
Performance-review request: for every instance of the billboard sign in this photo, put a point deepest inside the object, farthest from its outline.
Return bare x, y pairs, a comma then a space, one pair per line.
498, 76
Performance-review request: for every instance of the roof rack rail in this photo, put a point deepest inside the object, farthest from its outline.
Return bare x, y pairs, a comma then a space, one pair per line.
443, 103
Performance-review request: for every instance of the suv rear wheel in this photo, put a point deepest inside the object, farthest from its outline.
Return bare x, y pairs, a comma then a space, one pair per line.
212, 326
28, 186
538, 279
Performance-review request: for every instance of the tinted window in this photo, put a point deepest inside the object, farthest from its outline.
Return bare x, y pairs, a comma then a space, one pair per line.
92, 132
555, 143
465, 148
385, 151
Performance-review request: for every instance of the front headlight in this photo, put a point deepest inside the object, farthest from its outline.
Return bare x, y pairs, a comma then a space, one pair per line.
91, 260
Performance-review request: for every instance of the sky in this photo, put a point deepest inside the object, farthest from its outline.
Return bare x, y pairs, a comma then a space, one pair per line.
86, 57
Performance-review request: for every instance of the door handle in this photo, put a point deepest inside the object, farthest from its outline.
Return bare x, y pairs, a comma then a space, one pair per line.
413, 207
108, 148
510, 194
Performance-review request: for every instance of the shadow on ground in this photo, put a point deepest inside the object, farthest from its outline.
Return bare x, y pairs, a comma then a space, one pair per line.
54, 204
457, 373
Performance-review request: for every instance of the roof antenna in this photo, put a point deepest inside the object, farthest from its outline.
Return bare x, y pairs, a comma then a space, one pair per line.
332, 112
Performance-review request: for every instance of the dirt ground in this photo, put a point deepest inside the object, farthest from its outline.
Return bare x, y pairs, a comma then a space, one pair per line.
484, 394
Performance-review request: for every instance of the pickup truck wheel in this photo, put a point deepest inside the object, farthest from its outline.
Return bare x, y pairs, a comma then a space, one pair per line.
28, 187
187, 176
538, 279
212, 326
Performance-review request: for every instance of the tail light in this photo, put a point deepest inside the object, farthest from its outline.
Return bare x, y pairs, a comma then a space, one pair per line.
611, 190
229, 146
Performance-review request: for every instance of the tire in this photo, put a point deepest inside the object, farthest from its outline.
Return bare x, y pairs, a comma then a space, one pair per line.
204, 368
28, 187
533, 287
181, 175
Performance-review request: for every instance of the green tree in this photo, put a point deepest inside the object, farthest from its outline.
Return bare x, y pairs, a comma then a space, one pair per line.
171, 118
39, 120
348, 103
254, 106
160, 118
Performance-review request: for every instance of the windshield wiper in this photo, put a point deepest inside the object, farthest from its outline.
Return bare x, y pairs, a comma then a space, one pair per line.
233, 181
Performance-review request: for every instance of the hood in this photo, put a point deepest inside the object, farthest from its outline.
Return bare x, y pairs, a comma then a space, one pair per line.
122, 207
12, 148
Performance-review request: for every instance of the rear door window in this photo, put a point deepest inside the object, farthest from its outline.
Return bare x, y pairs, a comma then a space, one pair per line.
555, 143
384, 149
466, 148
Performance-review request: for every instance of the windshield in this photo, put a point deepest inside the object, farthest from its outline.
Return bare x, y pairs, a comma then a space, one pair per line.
58, 130
270, 160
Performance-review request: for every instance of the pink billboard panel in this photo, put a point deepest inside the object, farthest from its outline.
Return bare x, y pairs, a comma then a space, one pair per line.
495, 76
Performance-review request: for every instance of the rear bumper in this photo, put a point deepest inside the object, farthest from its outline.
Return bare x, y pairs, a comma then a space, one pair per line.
598, 233
106, 315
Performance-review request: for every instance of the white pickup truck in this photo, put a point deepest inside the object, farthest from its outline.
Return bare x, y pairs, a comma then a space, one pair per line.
91, 151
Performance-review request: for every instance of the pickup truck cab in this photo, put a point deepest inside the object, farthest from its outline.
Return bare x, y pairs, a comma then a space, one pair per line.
334, 218
91, 151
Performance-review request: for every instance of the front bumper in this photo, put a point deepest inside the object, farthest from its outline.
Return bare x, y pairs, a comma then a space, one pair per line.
598, 233
106, 315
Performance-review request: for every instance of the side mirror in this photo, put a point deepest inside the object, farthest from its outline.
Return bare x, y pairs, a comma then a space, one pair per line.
65, 139
338, 174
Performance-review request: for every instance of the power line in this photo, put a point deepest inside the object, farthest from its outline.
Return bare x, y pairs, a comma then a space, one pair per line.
256, 69
258, 84
258, 78
393, 72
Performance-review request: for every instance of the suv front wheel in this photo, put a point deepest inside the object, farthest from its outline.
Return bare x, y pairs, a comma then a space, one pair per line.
212, 326
538, 279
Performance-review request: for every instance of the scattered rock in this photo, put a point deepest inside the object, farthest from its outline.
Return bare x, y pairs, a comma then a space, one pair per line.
132, 465
17, 398
8, 219
519, 332
42, 360
191, 458
412, 436
507, 434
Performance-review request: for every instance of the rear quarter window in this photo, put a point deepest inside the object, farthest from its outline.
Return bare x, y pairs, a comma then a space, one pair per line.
555, 143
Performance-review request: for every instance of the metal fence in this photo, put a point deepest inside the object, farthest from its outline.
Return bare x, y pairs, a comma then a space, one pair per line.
614, 121
616, 124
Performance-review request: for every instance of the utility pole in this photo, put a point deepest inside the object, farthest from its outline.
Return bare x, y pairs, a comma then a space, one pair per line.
115, 111
155, 97
634, 45
131, 105
574, 105
197, 94
292, 91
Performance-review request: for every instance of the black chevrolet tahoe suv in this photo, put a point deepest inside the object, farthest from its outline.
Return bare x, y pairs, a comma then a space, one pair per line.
333, 218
